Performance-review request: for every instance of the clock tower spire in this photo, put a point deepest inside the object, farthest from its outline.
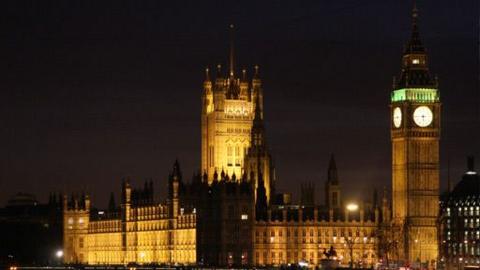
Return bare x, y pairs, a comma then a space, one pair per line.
415, 135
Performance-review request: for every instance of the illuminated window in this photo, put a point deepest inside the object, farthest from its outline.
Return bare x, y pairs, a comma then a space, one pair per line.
245, 217
70, 221
80, 220
415, 61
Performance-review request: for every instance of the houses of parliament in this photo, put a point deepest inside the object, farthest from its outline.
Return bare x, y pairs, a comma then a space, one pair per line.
230, 214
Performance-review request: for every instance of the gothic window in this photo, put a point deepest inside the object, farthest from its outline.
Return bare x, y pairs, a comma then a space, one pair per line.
229, 151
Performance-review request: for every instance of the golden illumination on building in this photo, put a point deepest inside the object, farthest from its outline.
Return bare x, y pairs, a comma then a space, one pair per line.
415, 134
140, 232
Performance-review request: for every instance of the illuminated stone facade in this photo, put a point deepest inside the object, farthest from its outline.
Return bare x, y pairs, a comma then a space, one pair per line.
227, 215
228, 111
140, 230
415, 134
297, 237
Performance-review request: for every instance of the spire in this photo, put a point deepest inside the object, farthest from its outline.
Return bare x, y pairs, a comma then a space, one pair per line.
257, 119
415, 44
258, 130
332, 171
415, 73
207, 74
176, 172
232, 52
255, 74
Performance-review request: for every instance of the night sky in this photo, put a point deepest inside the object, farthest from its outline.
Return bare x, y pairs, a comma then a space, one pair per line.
93, 91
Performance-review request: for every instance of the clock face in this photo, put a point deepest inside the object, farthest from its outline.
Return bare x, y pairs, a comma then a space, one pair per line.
397, 117
423, 116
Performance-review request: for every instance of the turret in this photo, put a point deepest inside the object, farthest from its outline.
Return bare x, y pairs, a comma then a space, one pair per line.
219, 90
261, 202
415, 71
332, 186
76, 218
257, 88
174, 182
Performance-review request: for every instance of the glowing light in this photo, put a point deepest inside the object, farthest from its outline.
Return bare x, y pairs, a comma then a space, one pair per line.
59, 253
352, 207
244, 217
415, 61
415, 94
303, 264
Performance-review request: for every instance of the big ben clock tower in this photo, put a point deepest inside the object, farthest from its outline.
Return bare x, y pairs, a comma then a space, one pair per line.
415, 133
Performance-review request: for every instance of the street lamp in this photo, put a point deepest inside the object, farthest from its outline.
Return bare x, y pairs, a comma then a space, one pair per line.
59, 255
351, 207
419, 251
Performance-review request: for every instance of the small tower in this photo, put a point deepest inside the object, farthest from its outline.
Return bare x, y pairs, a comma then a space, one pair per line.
261, 200
76, 217
258, 159
174, 183
332, 186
